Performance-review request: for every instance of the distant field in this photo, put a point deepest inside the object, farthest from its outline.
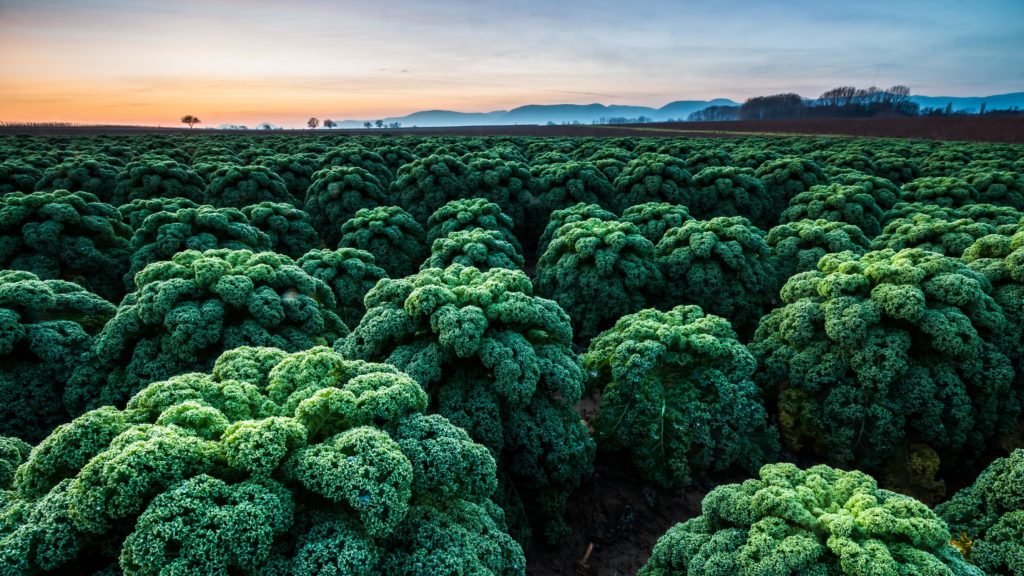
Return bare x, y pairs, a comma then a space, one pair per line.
967, 128
948, 128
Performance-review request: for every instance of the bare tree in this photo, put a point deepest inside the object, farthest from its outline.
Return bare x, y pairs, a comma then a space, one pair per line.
772, 107
330, 124
190, 120
313, 122
840, 97
899, 98
715, 114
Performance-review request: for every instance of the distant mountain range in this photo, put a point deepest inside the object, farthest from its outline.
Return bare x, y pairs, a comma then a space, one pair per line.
589, 113
542, 114
972, 103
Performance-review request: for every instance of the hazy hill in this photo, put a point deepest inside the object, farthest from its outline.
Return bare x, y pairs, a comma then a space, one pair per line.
972, 104
679, 110
544, 113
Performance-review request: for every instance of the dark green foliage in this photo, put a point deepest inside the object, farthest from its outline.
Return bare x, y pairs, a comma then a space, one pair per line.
652, 178
1000, 188
753, 157
610, 167
39, 160
944, 191
575, 213
18, 176
722, 265
395, 156
204, 524
13, 452
507, 183
706, 158
677, 394
239, 186
851, 161
785, 178
819, 521
990, 514
397, 242
463, 538
166, 233
500, 151
885, 193
563, 185
992, 164
188, 310
206, 170
148, 179
274, 463
598, 271
63, 235
1000, 258
253, 152
677, 148
945, 163
728, 191
945, 229
424, 185
857, 369
877, 357
479, 248
46, 327
295, 169
335, 196
653, 219
603, 150
797, 246
470, 214
896, 169
497, 361
610, 161
355, 156
837, 203
80, 175
933, 233
544, 160
212, 154
441, 146
349, 272
287, 226
538, 146
1003, 217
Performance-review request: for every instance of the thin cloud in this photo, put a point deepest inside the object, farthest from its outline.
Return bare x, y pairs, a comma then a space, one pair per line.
366, 58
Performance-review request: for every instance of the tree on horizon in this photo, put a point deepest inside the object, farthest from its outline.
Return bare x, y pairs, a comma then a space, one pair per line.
329, 124
313, 122
190, 120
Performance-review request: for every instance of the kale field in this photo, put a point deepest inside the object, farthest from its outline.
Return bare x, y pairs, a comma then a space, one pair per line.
313, 354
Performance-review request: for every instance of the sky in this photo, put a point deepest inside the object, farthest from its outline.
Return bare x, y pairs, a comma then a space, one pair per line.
249, 61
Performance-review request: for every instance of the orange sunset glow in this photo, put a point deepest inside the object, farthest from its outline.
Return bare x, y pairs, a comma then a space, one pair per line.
228, 61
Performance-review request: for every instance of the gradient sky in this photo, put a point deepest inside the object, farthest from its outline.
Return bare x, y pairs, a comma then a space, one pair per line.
247, 61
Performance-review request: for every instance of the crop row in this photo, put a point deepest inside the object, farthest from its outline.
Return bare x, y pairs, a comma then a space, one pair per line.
364, 356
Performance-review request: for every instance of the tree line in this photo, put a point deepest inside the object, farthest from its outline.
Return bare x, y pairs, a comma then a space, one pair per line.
843, 101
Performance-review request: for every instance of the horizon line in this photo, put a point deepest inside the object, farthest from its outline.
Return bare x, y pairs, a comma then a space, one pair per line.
284, 124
